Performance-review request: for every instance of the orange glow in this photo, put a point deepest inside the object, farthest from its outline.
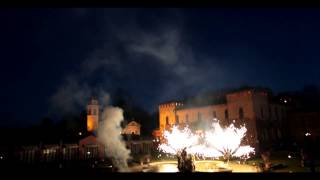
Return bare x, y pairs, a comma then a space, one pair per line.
92, 123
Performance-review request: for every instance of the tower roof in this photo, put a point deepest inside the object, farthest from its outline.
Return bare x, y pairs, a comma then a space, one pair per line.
93, 101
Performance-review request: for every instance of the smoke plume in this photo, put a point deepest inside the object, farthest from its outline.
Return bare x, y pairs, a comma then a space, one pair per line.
109, 134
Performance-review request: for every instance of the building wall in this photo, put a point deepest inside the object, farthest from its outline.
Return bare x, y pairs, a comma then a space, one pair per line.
206, 113
140, 147
92, 123
262, 119
91, 148
167, 111
245, 101
303, 122
132, 128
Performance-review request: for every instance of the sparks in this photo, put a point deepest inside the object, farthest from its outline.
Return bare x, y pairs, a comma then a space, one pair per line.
215, 143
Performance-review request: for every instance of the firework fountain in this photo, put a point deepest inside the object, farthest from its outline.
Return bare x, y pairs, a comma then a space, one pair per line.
214, 143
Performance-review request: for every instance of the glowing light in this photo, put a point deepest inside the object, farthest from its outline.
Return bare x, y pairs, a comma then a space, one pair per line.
308, 134
202, 166
285, 101
80, 133
88, 152
177, 139
1, 157
90, 123
289, 156
214, 143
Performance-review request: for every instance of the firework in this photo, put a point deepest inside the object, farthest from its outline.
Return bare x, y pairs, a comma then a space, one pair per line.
214, 143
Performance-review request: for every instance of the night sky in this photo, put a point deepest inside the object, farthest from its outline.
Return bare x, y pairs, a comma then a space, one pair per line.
52, 60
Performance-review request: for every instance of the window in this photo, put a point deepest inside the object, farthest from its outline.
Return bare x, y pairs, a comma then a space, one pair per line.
199, 116
177, 119
226, 114
94, 112
214, 114
89, 111
261, 109
241, 113
187, 118
167, 120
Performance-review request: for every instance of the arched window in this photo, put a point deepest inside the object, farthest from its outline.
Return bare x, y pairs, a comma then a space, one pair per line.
241, 113
177, 119
94, 112
167, 120
226, 114
214, 114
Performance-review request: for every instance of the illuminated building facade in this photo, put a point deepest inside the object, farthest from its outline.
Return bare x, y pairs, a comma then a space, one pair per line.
132, 128
253, 107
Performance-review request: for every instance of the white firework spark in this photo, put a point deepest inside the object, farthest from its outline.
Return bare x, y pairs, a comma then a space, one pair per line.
214, 143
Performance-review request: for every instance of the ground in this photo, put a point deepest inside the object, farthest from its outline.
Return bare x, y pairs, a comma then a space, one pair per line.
291, 165
279, 160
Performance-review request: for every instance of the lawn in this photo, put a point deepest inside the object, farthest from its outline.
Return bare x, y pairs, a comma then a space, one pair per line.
291, 164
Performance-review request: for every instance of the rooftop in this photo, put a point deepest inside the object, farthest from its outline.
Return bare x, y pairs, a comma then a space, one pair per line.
213, 97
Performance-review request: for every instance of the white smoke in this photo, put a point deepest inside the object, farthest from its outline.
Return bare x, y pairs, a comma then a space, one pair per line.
71, 96
109, 134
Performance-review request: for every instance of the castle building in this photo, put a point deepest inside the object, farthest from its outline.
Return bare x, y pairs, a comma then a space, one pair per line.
253, 107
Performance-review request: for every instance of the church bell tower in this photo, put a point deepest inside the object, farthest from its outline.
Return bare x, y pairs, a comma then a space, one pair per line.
92, 115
